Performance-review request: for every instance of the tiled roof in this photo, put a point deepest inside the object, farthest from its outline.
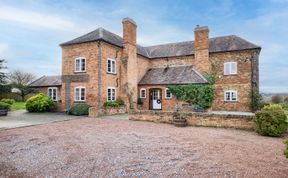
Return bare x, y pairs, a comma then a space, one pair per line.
172, 75
218, 44
47, 81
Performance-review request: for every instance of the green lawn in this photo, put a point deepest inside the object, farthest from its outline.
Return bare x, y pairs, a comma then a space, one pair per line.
18, 105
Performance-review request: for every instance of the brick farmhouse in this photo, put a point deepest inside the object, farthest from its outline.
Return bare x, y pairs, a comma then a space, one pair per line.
102, 66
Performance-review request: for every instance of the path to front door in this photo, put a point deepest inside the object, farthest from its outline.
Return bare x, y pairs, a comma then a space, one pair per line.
155, 99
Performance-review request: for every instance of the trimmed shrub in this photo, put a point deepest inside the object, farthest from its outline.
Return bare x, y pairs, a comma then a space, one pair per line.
40, 103
4, 106
8, 101
271, 122
272, 107
114, 104
286, 151
79, 109
120, 102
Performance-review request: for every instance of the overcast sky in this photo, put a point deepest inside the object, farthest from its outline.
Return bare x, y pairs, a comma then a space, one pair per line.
31, 30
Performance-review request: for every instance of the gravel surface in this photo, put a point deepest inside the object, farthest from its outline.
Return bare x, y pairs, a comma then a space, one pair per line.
122, 148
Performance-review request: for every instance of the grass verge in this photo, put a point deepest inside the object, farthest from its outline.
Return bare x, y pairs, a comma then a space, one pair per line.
18, 106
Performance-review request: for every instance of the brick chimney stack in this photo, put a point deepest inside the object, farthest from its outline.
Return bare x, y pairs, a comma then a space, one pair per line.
201, 46
129, 59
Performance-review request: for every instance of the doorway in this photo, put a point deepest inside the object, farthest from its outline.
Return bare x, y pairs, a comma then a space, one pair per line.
155, 99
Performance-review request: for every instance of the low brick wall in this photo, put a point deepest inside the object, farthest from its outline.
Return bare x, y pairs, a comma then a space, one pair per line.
93, 112
239, 121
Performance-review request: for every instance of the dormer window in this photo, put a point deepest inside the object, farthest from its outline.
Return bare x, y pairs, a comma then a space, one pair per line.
111, 66
80, 64
230, 68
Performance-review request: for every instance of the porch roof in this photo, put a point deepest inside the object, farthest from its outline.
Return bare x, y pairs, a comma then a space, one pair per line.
47, 81
172, 75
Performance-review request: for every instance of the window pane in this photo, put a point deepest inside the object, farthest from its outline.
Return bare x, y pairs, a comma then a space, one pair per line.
113, 94
227, 96
77, 93
83, 65
233, 68
109, 94
143, 93
168, 94
113, 66
109, 66
77, 68
82, 94
54, 94
50, 93
233, 96
226, 69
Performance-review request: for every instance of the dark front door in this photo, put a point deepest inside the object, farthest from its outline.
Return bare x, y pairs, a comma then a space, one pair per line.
155, 99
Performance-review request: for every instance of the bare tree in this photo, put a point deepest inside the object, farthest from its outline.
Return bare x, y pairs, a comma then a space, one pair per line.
276, 99
2, 74
21, 80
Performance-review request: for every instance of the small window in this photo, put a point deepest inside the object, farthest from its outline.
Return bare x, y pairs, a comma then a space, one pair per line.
143, 93
80, 64
52, 93
111, 94
168, 94
111, 66
80, 94
230, 68
230, 95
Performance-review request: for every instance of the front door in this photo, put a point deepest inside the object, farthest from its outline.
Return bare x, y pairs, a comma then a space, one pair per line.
155, 99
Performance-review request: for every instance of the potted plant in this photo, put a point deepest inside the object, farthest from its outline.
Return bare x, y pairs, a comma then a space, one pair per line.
4, 108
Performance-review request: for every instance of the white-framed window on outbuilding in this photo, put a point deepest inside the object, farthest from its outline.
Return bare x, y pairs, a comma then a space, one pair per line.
111, 94
52, 92
168, 94
142, 93
230, 68
80, 94
230, 95
80, 64
111, 66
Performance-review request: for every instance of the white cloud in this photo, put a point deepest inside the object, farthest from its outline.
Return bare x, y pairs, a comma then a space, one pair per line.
36, 19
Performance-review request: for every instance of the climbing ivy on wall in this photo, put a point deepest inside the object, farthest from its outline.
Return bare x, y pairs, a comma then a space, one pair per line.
201, 95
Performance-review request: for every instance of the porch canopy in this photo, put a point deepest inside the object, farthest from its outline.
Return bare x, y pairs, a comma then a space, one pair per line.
173, 75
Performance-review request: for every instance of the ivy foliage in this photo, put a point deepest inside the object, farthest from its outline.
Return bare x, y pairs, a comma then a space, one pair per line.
201, 95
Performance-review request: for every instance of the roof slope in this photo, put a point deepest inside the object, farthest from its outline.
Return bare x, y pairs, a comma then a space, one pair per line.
172, 75
218, 44
47, 81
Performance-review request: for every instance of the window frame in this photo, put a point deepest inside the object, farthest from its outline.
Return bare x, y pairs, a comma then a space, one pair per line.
111, 88
112, 60
80, 88
230, 68
143, 89
171, 95
231, 100
53, 88
80, 64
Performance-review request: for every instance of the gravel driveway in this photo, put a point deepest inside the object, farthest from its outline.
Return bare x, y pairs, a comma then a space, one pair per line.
122, 148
